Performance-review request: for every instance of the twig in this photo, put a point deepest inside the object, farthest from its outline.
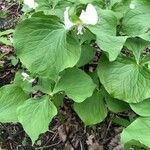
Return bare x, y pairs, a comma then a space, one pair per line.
52, 145
108, 127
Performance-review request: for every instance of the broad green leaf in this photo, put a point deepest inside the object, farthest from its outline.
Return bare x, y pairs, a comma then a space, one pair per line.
137, 46
93, 110
4, 14
114, 2
120, 7
45, 47
35, 116
111, 44
116, 106
5, 40
7, 32
124, 79
87, 37
57, 99
23, 84
94, 76
142, 108
138, 131
121, 121
87, 55
107, 23
76, 84
14, 60
137, 145
136, 21
99, 3
11, 97
45, 85
105, 32
85, 1
53, 7
42, 15
113, 104
145, 36
145, 60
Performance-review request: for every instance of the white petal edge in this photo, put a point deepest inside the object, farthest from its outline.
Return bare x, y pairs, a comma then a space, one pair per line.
67, 22
80, 30
132, 6
89, 16
31, 4
25, 76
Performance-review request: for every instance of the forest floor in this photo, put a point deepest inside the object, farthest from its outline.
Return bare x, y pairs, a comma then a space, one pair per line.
66, 132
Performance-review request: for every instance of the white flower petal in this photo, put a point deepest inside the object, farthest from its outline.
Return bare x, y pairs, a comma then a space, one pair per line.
89, 16
31, 80
30, 3
67, 22
35, 5
80, 28
25, 75
132, 6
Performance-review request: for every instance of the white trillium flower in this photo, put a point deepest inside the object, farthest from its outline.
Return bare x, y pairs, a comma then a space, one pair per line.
132, 6
27, 77
31, 4
87, 17
31, 80
80, 28
67, 22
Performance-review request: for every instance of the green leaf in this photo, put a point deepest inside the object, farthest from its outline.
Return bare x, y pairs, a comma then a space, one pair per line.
136, 21
76, 84
7, 32
120, 7
85, 1
121, 121
111, 44
45, 85
57, 99
137, 145
116, 106
105, 32
14, 60
145, 60
35, 116
138, 131
23, 84
137, 46
87, 37
94, 77
53, 7
142, 108
145, 36
11, 97
44, 46
4, 14
114, 2
107, 23
124, 79
87, 55
5, 40
92, 110
44, 5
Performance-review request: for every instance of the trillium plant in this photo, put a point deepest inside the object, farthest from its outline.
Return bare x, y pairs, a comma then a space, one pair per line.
94, 52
